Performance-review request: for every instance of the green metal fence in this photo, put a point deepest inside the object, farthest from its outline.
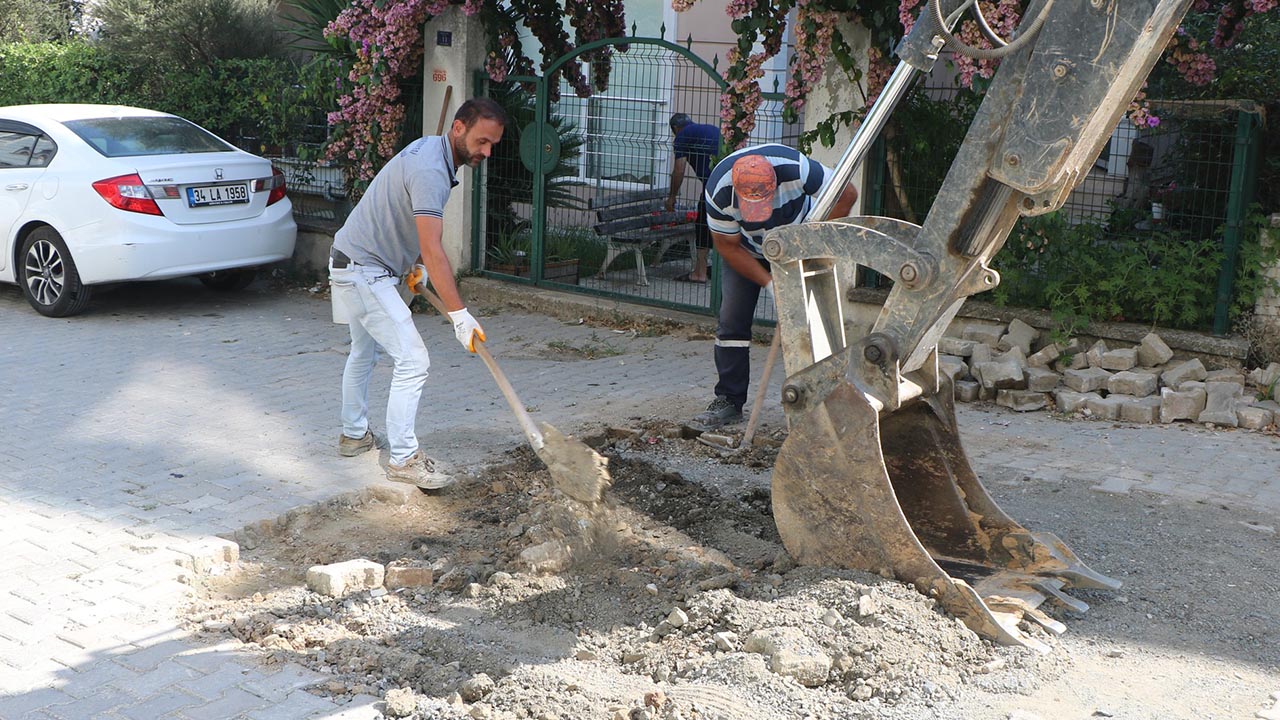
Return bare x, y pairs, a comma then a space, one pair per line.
1179, 188
550, 194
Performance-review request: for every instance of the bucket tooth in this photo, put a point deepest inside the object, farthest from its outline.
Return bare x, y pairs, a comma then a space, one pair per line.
1053, 590
894, 494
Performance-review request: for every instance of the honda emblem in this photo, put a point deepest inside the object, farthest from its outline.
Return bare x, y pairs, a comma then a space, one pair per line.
217, 173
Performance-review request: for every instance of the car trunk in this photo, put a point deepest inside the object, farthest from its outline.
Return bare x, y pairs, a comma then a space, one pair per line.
205, 187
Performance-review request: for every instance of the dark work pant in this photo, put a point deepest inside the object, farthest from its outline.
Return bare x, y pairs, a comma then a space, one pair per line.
733, 333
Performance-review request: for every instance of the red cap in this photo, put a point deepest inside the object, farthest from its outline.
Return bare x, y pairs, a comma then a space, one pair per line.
754, 183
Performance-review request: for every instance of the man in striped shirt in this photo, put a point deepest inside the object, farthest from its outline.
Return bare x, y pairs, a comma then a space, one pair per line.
749, 193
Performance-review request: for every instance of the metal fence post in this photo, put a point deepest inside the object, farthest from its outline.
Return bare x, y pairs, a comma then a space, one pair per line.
1243, 179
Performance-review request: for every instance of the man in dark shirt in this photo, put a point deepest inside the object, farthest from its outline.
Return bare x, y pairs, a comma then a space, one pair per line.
696, 145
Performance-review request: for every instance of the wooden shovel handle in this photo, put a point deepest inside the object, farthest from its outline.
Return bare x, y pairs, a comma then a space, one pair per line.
531, 431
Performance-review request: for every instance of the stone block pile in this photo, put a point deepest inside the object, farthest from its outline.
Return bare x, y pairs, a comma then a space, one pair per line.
1146, 383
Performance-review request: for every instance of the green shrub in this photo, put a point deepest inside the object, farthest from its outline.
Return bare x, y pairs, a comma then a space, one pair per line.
34, 20
264, 104
185, 34
1124, 272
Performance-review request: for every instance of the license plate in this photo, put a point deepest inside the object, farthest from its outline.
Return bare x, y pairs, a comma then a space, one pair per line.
217, 195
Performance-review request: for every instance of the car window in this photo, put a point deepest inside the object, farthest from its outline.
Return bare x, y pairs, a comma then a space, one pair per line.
130, 136
15, 148
44, 152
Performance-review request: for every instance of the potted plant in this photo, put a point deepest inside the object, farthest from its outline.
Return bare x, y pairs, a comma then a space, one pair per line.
508, 252
511, 254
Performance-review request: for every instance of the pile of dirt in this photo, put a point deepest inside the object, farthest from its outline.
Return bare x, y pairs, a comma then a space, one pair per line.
676, 600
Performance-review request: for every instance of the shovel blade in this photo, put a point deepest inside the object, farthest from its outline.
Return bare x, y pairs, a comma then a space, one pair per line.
576, 469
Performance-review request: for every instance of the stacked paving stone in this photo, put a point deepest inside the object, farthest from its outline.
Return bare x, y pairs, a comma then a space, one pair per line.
1140, 384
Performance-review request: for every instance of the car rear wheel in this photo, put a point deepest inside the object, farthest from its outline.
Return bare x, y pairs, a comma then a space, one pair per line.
48, 275
229, 280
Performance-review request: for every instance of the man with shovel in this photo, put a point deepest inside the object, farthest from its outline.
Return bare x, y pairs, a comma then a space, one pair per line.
749, 193
396, 229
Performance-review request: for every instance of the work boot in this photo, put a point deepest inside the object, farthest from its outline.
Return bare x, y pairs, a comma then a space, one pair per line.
419, 470
351, 447
721, 411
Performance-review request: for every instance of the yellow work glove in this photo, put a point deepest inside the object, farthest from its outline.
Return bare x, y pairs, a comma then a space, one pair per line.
416, 276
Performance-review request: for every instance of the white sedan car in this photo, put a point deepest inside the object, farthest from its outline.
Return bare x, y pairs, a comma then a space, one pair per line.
95, 194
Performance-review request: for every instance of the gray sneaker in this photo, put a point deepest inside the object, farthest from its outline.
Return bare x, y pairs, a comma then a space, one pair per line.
351, 447
720, 412
419, 470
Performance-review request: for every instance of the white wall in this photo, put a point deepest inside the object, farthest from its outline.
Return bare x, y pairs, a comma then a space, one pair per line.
448, 73
836, 94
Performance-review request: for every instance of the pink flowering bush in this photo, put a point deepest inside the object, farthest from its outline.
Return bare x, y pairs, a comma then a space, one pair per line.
387, 41
817, 37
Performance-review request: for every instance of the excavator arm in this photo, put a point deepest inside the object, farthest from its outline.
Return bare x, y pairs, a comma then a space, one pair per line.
872, 475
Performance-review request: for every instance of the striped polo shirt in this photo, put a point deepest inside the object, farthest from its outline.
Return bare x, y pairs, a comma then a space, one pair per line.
381, 229
799, 180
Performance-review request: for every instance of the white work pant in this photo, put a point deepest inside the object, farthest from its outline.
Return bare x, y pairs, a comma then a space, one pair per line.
380, 320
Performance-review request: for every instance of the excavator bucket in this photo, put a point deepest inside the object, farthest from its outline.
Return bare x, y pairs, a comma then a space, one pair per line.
897, 496
872, 475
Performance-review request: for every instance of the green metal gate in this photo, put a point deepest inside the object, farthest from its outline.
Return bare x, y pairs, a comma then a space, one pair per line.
551, 186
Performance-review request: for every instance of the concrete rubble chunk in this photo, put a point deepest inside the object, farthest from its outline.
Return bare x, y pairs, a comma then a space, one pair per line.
1137, 384
790, 653
1141, 410
1041, 379
981, 353
1022, 400
948, 345
953, 367
809, 669
401, 702
1152, 350
549, 557
1019, 335
209, 556
984, 333
338, 579
1272, 405
1190, 370
1071, 361
1094, 354
1181, 404
476, 687
1105, 408
1014, 355
726, 641
1121, 359
967, 390
1252, 417
1070, 401
1220, 404
999, 376
1265, 378
1086, 380
1191, 385
408, 574
1045, 355
1230, 376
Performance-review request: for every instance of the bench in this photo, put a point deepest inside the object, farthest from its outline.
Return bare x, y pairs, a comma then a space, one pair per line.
635, 220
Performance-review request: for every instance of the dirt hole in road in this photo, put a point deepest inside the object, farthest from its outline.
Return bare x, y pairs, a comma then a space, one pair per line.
691, 610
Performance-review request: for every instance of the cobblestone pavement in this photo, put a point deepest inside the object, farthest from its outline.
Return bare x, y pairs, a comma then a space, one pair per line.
169, 415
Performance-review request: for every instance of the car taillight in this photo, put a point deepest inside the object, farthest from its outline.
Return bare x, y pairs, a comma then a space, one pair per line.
275, 184
128, 192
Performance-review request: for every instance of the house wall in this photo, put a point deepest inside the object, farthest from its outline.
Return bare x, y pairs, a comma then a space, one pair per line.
449, 61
